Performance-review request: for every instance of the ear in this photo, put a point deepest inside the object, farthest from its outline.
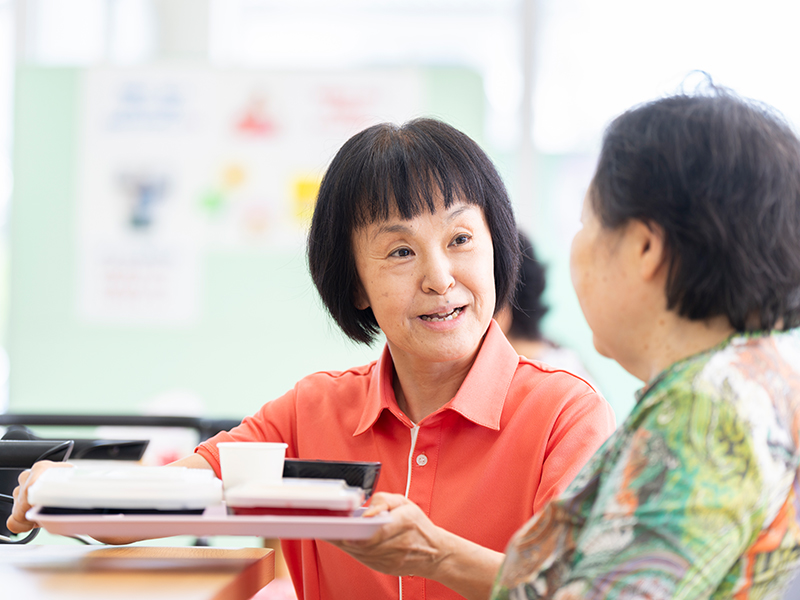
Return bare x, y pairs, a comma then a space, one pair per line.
360, 300
650, 248
503, 318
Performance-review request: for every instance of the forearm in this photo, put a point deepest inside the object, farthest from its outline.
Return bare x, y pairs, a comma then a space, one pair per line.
466, 567
192, 461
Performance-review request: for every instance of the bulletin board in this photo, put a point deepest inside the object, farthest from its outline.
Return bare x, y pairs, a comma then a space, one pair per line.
158, 222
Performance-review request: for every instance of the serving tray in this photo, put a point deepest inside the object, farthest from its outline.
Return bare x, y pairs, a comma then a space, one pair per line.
215, 520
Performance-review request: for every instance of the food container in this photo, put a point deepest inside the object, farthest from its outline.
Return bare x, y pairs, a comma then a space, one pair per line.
363, 475
310, 497
129, 490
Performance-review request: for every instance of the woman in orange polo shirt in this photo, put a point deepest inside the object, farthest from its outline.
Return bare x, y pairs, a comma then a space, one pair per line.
414, 236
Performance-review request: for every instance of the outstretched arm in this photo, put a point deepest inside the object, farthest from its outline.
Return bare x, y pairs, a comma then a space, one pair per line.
19, 523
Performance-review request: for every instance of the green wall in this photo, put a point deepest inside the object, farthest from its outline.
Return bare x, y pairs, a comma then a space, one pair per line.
261, 327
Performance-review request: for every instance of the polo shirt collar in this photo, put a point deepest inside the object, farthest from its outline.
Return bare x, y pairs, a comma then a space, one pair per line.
479, 399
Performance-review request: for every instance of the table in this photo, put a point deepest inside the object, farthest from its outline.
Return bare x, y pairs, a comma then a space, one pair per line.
40, 572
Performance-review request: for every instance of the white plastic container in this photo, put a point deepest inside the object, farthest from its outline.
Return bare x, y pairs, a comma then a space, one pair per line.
295, 496
134, 488
251, 462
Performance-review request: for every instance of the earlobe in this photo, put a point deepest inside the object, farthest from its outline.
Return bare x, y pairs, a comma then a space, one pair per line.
360, 300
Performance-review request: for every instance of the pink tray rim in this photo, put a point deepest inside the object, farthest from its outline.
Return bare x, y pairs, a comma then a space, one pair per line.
214, 521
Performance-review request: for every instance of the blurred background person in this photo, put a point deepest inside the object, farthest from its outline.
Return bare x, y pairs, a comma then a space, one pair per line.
521, 319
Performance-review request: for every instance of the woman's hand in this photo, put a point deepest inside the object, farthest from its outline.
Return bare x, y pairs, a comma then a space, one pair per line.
412, 545
17, 522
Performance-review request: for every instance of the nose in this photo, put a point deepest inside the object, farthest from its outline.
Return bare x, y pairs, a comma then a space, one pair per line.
437, 275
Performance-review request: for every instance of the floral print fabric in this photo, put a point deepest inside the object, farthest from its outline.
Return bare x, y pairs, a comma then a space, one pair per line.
694, 496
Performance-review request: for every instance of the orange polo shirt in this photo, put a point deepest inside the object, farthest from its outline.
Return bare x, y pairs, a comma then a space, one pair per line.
512, 438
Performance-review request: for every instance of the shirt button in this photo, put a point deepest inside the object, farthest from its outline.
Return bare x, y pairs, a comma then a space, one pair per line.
422, 460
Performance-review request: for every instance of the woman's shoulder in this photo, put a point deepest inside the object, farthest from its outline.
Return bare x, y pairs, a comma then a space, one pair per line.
756, 375
561, 404
743, 359
750, 354
545, 373
328, 391
334, 379
566, 359
342, 374
545, 389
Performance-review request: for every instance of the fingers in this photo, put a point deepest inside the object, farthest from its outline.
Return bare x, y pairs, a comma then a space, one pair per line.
17, 522
409, 544
403, 513
384, 502
379, 503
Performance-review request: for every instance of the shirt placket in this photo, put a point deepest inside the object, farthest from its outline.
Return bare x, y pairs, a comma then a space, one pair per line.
423, 462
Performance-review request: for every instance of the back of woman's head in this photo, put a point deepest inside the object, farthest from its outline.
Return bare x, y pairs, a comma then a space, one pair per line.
527, 306
721, 176
405, 169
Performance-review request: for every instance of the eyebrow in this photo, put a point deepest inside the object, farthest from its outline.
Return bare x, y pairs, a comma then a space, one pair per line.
402, 228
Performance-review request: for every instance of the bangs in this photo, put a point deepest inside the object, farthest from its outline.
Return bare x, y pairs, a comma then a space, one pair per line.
404, 193
408, 174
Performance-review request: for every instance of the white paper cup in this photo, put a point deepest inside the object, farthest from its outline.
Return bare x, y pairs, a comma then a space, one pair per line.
251, 462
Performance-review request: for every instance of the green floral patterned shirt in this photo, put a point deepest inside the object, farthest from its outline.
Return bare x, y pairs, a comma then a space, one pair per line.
696, 495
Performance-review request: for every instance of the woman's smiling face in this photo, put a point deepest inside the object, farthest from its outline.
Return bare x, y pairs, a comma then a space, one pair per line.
429, 281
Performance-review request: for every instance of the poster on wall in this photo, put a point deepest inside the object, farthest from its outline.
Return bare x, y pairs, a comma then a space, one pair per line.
175, 163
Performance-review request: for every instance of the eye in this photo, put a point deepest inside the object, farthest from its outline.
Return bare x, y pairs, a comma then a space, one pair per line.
461, 239
401, 252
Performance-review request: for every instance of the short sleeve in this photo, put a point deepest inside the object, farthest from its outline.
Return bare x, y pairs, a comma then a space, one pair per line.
582, 427
274, 422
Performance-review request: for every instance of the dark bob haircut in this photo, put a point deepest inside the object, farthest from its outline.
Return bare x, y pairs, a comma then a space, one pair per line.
527, 307
404, 168
721, 176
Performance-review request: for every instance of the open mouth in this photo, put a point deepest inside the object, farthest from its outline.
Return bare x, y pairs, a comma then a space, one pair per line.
439, 317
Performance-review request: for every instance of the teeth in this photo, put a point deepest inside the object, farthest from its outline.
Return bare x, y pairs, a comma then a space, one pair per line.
445, 317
